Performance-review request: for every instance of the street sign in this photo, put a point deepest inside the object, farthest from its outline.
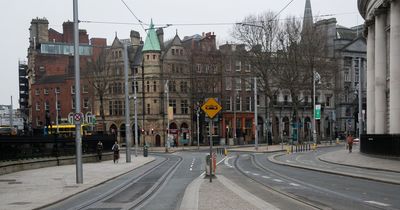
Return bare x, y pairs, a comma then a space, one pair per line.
318, 111
77, 117
211, 107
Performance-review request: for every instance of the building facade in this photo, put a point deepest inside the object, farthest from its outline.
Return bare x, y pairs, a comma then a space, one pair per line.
382, 29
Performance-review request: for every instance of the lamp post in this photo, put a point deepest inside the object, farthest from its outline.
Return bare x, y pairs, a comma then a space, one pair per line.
360, 118
167, 131
198, 127
316, 78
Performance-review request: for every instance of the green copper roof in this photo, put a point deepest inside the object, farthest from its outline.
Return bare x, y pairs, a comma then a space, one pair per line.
151, 43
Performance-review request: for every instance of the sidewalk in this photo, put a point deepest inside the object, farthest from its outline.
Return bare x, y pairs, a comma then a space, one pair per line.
38, 187
358, 159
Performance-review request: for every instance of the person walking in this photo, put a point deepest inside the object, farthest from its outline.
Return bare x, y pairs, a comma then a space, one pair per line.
115, 149
99, 150
350, 141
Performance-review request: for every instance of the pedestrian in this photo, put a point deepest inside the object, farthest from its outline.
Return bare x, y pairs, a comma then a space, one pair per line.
115, 149
99, 150
350, 142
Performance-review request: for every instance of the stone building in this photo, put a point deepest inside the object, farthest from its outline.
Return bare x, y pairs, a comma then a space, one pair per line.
382, 22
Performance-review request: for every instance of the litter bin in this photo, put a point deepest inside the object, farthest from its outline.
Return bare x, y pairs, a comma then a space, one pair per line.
145, 151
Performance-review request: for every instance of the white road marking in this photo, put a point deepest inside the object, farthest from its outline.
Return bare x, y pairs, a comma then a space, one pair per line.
377, 203
255, 174
191, 166
289, 161
266, 177
277, 180
294, 184
247, 172
226, 162
245, 155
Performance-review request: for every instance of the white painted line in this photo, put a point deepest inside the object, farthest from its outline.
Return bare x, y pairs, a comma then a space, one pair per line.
266, 177
294, 184
289, 161
247, 172
377, 203
190, 169
226, 162
255, 174
277, 180
245, 155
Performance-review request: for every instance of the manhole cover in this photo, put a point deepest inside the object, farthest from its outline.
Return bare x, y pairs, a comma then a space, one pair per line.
8, 180
20, 203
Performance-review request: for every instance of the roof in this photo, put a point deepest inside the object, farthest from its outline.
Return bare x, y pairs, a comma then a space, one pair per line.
152, 43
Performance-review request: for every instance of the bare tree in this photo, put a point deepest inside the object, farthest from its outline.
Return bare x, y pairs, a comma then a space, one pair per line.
98, 75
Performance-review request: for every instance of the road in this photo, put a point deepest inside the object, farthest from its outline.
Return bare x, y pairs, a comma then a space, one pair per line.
321, 190
161, 184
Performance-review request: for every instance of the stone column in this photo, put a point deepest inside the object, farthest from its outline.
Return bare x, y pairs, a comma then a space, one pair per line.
380, 72
371, 80
394, 103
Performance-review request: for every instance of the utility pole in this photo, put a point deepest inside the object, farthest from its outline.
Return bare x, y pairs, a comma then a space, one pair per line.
167, 93
11, 114
78, 138
198, 128
136, 121
128, 135
255, 114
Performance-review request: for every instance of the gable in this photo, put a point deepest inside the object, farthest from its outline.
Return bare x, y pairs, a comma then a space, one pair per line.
358, 45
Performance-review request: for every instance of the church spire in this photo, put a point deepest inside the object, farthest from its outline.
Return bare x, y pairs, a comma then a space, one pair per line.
308, 18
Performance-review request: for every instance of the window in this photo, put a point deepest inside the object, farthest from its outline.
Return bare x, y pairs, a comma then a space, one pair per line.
184, 87
135, 85
116, 108
228, 104
148, 109
155, 86
73, 103
316, 99
238, 65
41, 68
356, 69
173, 68
73, 89
46, 106
198, 67
258, 100
275, 100
173, 51
328, 101
148, 86
248, 103
46, 91
172, 86
58, 105
148, 57
285, 99
228, 83
228, 66
248, 84
136, 71
37, 106
247, 67
238, 84
347, 76
238, 103
85, 89
37, 92
58, 90
184, 106
85, 103
306, 99
172, 103
154, 57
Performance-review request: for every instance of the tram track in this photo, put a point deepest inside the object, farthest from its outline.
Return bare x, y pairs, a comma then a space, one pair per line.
311, 203
130, 192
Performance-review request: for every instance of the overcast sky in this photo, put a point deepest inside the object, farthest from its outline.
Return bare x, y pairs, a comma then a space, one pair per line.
16, 15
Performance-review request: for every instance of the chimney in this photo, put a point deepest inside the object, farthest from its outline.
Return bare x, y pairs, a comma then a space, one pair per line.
135, 38
160, 36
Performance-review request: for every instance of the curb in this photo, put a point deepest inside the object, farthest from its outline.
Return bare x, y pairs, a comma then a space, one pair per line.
357, 166
272, 159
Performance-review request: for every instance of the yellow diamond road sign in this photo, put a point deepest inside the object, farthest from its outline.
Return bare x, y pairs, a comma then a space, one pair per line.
211, 107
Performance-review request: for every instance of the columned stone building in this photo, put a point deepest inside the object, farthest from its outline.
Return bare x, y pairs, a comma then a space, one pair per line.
382, 21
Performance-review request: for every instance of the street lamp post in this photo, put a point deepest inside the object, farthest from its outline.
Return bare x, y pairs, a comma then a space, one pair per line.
198, 127
316, 77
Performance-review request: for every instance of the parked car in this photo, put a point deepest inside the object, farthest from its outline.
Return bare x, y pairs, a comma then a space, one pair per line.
6, 131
